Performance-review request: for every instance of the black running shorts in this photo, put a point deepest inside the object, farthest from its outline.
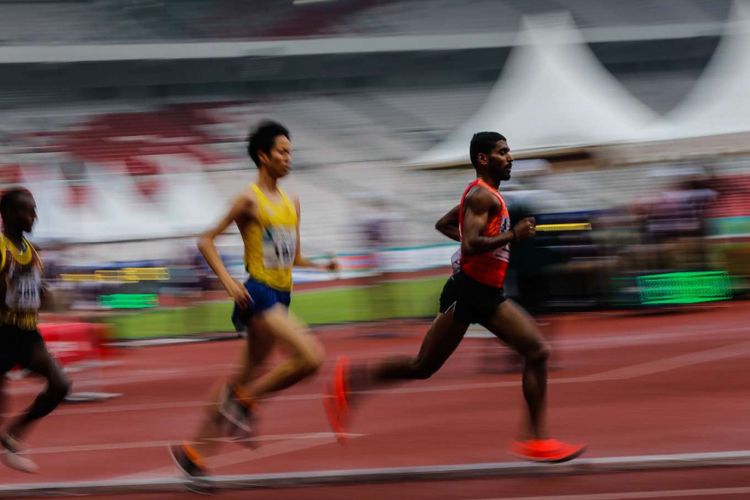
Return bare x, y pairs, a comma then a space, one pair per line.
16, 346
475, 302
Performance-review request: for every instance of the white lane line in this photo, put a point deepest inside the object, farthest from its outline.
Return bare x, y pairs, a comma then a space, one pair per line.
587, 343
33, 384
280, 448
113, 408
133, 445
246, 455
623, 373
668, 364
160, 341
172, 482
568, 345
629, 495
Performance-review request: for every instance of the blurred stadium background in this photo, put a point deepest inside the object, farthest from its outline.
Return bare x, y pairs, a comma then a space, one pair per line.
630, 125
629, 121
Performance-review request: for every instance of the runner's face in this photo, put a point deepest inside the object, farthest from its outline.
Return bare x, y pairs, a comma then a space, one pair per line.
278, 161
24, 214
500, 161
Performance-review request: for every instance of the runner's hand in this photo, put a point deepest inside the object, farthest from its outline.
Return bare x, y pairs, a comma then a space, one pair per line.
333, 265
525, 229
239, 294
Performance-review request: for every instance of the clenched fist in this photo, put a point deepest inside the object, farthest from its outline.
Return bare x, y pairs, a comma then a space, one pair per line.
525, 228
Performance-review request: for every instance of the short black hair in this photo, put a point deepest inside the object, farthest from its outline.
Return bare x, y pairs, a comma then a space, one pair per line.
10, 197
483, 142
262, 137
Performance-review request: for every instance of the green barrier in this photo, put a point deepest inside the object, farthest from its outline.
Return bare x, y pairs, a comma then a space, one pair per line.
396, 299
130, 300
684, 287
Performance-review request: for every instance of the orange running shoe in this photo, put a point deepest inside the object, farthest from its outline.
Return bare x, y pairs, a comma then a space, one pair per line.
336, 399
546, 450
190, 464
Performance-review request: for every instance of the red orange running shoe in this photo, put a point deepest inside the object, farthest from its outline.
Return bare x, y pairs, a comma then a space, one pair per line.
336, 399
546, 450
190, 464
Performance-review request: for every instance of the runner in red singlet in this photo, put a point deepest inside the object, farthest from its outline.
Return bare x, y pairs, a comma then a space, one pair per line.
473, 294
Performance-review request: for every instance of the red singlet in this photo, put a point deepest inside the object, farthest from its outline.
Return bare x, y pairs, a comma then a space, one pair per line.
489, 267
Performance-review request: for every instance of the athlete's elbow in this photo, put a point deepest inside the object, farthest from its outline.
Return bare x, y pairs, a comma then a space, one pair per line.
204, 241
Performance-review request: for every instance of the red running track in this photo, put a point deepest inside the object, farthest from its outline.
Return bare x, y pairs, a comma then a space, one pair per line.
626, 385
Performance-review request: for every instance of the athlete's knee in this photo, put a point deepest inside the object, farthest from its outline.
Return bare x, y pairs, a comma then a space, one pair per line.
539, 352
310, 366
59, 387
534, 349
310, 362
58, 384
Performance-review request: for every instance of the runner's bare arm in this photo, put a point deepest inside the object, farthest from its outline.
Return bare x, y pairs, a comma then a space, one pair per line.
299, 259
477, 206
448, 224
240, 211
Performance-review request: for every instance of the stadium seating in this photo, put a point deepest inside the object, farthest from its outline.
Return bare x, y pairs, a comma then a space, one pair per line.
82, 21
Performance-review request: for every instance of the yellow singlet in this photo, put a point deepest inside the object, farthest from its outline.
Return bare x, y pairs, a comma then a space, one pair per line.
271, 242
20, 284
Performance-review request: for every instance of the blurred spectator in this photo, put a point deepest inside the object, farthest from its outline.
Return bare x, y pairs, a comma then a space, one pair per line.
375, 232
676, 224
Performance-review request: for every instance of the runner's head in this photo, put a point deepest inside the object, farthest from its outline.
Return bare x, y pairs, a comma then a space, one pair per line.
490, 155
18, 209
270, 148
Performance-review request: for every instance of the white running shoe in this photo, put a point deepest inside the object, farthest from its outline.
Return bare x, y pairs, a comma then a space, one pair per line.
13, 455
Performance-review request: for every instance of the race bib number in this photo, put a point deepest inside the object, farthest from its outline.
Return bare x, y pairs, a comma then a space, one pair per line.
503, 253
279, 247
23, 291
456, 261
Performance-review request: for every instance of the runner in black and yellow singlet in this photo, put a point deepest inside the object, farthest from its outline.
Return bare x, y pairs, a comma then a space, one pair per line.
268, 220
473, 294
20, 342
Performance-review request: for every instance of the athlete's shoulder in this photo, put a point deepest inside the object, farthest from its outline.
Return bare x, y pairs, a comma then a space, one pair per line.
35, 251
480, 198
248, 196
293, 197
244, 205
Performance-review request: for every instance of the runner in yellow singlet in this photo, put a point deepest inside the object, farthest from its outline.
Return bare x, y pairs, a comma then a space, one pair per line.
268, 220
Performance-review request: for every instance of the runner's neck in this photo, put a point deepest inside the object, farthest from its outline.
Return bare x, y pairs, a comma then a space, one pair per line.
15, 237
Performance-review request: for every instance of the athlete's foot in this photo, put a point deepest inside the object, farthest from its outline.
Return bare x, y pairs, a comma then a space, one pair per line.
336, 399
546, 450
14, 457
239, 419
190, 464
